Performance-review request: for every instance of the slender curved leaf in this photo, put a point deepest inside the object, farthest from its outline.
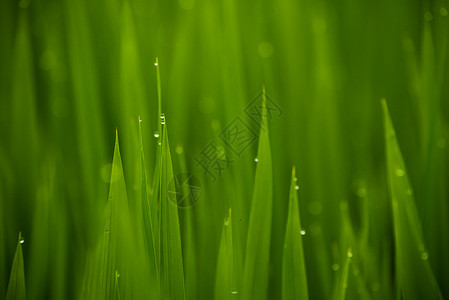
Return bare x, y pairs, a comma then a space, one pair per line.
255, 280
414, 275
294, 277
16, 286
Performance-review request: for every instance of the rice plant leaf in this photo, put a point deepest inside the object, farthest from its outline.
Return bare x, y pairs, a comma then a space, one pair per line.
257, 256
225, 280
172, 274
16, 286
340, 291
116, 229
155, 199
188, 236
147, 224
415, 278
116, 286
294, 277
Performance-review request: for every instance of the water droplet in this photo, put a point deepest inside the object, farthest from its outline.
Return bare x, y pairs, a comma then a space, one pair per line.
22, 241
424, 256
315, 208
155, 63
303, 232
296, 187
24, 3
226, 221
295, 179
361, 193
234, 292
179, 149
140, 120
265, 50
349, 253
335, 267
159, 143
375, 286
443, 11
162, 118
400, 172
156, 134
256, 159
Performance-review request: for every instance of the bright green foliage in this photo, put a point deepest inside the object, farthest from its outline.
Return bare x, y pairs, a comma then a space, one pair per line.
73, 71
294, 276
16, 286
415, 278
255, 280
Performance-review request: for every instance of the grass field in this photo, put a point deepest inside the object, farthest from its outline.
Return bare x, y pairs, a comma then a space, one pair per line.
229, 149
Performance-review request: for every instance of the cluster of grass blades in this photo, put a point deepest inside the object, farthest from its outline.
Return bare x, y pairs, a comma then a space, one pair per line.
140, 253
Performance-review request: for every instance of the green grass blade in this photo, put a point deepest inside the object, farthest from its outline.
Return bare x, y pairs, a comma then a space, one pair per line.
414, 275
147, 224
117, 228
259, 228
225, 280
116, 286
16, 286
188, 236
155, 199
294, 277
340, 291
172, 273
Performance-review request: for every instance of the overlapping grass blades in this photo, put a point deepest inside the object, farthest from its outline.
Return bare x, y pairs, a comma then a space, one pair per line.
147, 225
342, 285
172, 273
294, 276
16, 286
256, 267
415, 279
225, 279
117, 217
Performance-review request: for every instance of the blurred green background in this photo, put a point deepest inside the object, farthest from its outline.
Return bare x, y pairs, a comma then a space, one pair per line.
71, 72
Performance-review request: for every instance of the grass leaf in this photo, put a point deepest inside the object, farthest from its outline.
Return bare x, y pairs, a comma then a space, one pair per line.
294, 277
225, 279
414, 275
172, 273
147, 224
16, 286
116, 229
340, 291
259, 228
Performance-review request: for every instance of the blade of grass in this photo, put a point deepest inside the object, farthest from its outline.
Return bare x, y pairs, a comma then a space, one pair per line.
415, 278
172, 273
294, 277
259, 229
340, 291
117, 228
155, 199
225, 279
147, 224
188, 242
16, 286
